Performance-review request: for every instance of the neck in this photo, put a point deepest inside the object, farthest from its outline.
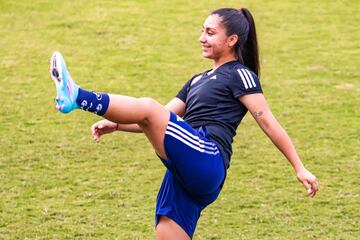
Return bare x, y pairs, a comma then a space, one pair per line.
221, 61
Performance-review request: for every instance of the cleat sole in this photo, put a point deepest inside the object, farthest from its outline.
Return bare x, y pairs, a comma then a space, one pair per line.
55, 73
66, 89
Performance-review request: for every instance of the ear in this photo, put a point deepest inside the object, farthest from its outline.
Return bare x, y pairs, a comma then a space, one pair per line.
232, 40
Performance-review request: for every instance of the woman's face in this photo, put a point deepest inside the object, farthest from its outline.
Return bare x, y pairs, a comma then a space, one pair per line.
213, 39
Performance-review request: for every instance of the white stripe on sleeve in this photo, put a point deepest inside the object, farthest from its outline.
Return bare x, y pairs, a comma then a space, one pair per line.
243, 79
251, 77
247, 78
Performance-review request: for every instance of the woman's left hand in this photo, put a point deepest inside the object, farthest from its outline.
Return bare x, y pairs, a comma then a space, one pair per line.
309, 181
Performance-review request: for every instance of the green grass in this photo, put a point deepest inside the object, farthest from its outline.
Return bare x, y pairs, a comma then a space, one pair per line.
55, 183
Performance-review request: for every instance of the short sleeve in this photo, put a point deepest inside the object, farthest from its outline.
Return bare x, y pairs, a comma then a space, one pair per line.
244, 82
182, 94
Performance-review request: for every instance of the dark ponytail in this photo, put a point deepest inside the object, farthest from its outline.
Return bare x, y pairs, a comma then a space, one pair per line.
241, 23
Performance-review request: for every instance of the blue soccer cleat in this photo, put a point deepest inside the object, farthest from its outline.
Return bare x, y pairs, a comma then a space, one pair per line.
66, 88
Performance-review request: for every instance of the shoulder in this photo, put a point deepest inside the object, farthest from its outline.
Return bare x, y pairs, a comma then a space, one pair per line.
242, 80
242, 71
237, 70
194, 77
197, 77
245, 76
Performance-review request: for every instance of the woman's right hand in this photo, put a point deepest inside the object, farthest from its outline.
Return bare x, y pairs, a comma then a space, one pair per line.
309, 181
102, 127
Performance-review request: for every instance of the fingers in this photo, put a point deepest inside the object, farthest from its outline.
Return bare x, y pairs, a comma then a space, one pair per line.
314, 187
102, 127
311, 187
96, 135
95, 130
307, 187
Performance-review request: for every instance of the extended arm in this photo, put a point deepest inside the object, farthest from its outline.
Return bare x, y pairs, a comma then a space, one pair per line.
102, 127
260, 110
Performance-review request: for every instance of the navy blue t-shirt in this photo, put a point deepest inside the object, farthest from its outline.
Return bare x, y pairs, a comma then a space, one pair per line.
212, 102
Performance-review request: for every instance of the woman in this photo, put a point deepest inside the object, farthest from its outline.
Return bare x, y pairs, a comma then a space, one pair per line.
192, 134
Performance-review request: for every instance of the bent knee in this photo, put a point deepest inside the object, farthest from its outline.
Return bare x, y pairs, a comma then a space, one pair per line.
153, 109
149, 102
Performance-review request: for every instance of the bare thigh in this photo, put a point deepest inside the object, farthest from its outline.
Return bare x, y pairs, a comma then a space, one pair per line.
150, 115
167, 229
154, 129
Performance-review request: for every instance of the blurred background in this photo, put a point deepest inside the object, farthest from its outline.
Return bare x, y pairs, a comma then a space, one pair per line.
56, 183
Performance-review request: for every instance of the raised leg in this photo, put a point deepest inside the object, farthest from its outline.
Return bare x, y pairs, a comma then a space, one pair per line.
150, 115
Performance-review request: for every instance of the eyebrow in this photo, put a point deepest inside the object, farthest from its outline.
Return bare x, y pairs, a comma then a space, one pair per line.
209, 28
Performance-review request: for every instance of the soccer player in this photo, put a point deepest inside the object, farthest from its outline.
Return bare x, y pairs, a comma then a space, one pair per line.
193, 133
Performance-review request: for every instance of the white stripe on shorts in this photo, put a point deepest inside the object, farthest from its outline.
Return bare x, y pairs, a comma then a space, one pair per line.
185, 137
190, 144
190, 134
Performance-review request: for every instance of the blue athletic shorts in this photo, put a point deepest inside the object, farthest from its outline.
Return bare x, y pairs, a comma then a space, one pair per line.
194, 176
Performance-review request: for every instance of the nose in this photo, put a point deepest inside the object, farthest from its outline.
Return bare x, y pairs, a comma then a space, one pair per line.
202, 38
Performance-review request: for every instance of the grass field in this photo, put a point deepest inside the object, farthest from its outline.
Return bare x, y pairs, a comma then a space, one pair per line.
56, 183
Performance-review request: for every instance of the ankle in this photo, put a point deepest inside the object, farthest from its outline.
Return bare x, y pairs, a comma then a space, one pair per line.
97, 103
